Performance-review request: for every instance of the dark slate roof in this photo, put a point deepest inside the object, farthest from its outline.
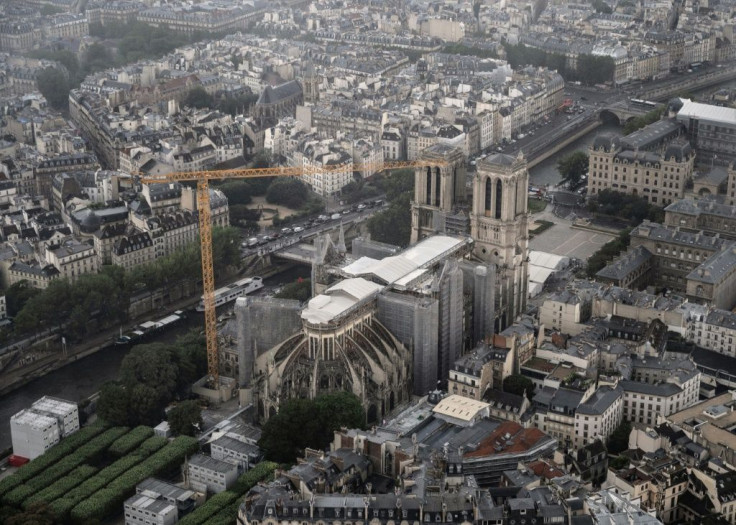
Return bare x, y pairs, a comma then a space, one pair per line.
272, 95
500, 159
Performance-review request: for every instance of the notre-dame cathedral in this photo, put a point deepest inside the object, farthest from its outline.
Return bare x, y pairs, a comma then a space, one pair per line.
495, 216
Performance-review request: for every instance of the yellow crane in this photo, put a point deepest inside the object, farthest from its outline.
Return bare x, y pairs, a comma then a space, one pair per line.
203, 178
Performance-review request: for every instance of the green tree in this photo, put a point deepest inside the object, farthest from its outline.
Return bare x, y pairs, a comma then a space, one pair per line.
601, 7
198, 97
619, 440
302, 423
236, 191
619, 462
288, 433
337, 410
573, 166
643, 121
113, 404
53, 84
96, 58
288, 192
300, 290
393, 225
146, 407
241, 214
151, 365
519, 385
17, 295
185, 418
607, 252
48, 10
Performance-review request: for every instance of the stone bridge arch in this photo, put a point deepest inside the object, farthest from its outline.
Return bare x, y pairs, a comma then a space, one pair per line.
608, 116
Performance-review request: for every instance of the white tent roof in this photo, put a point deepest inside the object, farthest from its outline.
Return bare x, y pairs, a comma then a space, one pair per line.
535, 288
539, 274
548, 260
338, 299
392, 269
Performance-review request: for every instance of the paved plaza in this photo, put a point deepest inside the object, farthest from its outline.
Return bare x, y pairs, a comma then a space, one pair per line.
563, 239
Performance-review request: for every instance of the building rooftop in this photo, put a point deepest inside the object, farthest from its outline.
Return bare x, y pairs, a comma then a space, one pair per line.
715, 114
460, 407
656, 231
660, 389
508, 438
54, 405
206, 462
633, 259
651, 135
339, 300
716, 267
391, 269
33, 419
600, 401
701, 207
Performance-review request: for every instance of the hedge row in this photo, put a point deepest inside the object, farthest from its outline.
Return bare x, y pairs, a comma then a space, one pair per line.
87, 453
130, 441
226, 516
104, 477
67, 445
43, 479
62, 486
209, 509
110, 499
215, 504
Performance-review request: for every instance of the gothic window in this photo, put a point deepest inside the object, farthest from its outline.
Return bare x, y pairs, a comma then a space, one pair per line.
499, 197
429, 186
437, 187
488, 196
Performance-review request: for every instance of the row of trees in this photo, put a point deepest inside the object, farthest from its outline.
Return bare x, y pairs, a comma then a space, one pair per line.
232, 104
646, 119
590, 69
301, 290
572, 167
302, 423
136, 41
55, 83
101, 300
632, 208
393, 225
607, 252
151, 377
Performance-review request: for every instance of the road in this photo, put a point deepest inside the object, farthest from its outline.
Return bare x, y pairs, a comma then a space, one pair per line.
311, 228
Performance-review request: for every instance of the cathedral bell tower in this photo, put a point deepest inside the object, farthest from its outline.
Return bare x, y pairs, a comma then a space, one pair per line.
499, 225
439, 194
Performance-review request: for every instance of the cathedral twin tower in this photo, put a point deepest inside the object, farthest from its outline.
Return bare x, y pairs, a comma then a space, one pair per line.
496, 217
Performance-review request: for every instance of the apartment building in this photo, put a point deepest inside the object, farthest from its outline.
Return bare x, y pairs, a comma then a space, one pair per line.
651, 163
598, 416
72, 258
714, 330
133, 250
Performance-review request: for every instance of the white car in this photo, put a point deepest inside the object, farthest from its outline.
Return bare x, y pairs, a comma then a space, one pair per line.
298, 229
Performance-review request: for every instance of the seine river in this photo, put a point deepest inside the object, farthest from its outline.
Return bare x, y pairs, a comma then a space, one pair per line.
81, 379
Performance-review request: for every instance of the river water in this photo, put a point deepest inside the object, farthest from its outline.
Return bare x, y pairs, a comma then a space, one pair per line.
80, 379
545, 173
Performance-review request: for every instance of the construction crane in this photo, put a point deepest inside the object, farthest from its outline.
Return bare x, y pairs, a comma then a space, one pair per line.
203, 178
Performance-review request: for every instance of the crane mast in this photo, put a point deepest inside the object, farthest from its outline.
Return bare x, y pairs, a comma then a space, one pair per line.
203, 178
